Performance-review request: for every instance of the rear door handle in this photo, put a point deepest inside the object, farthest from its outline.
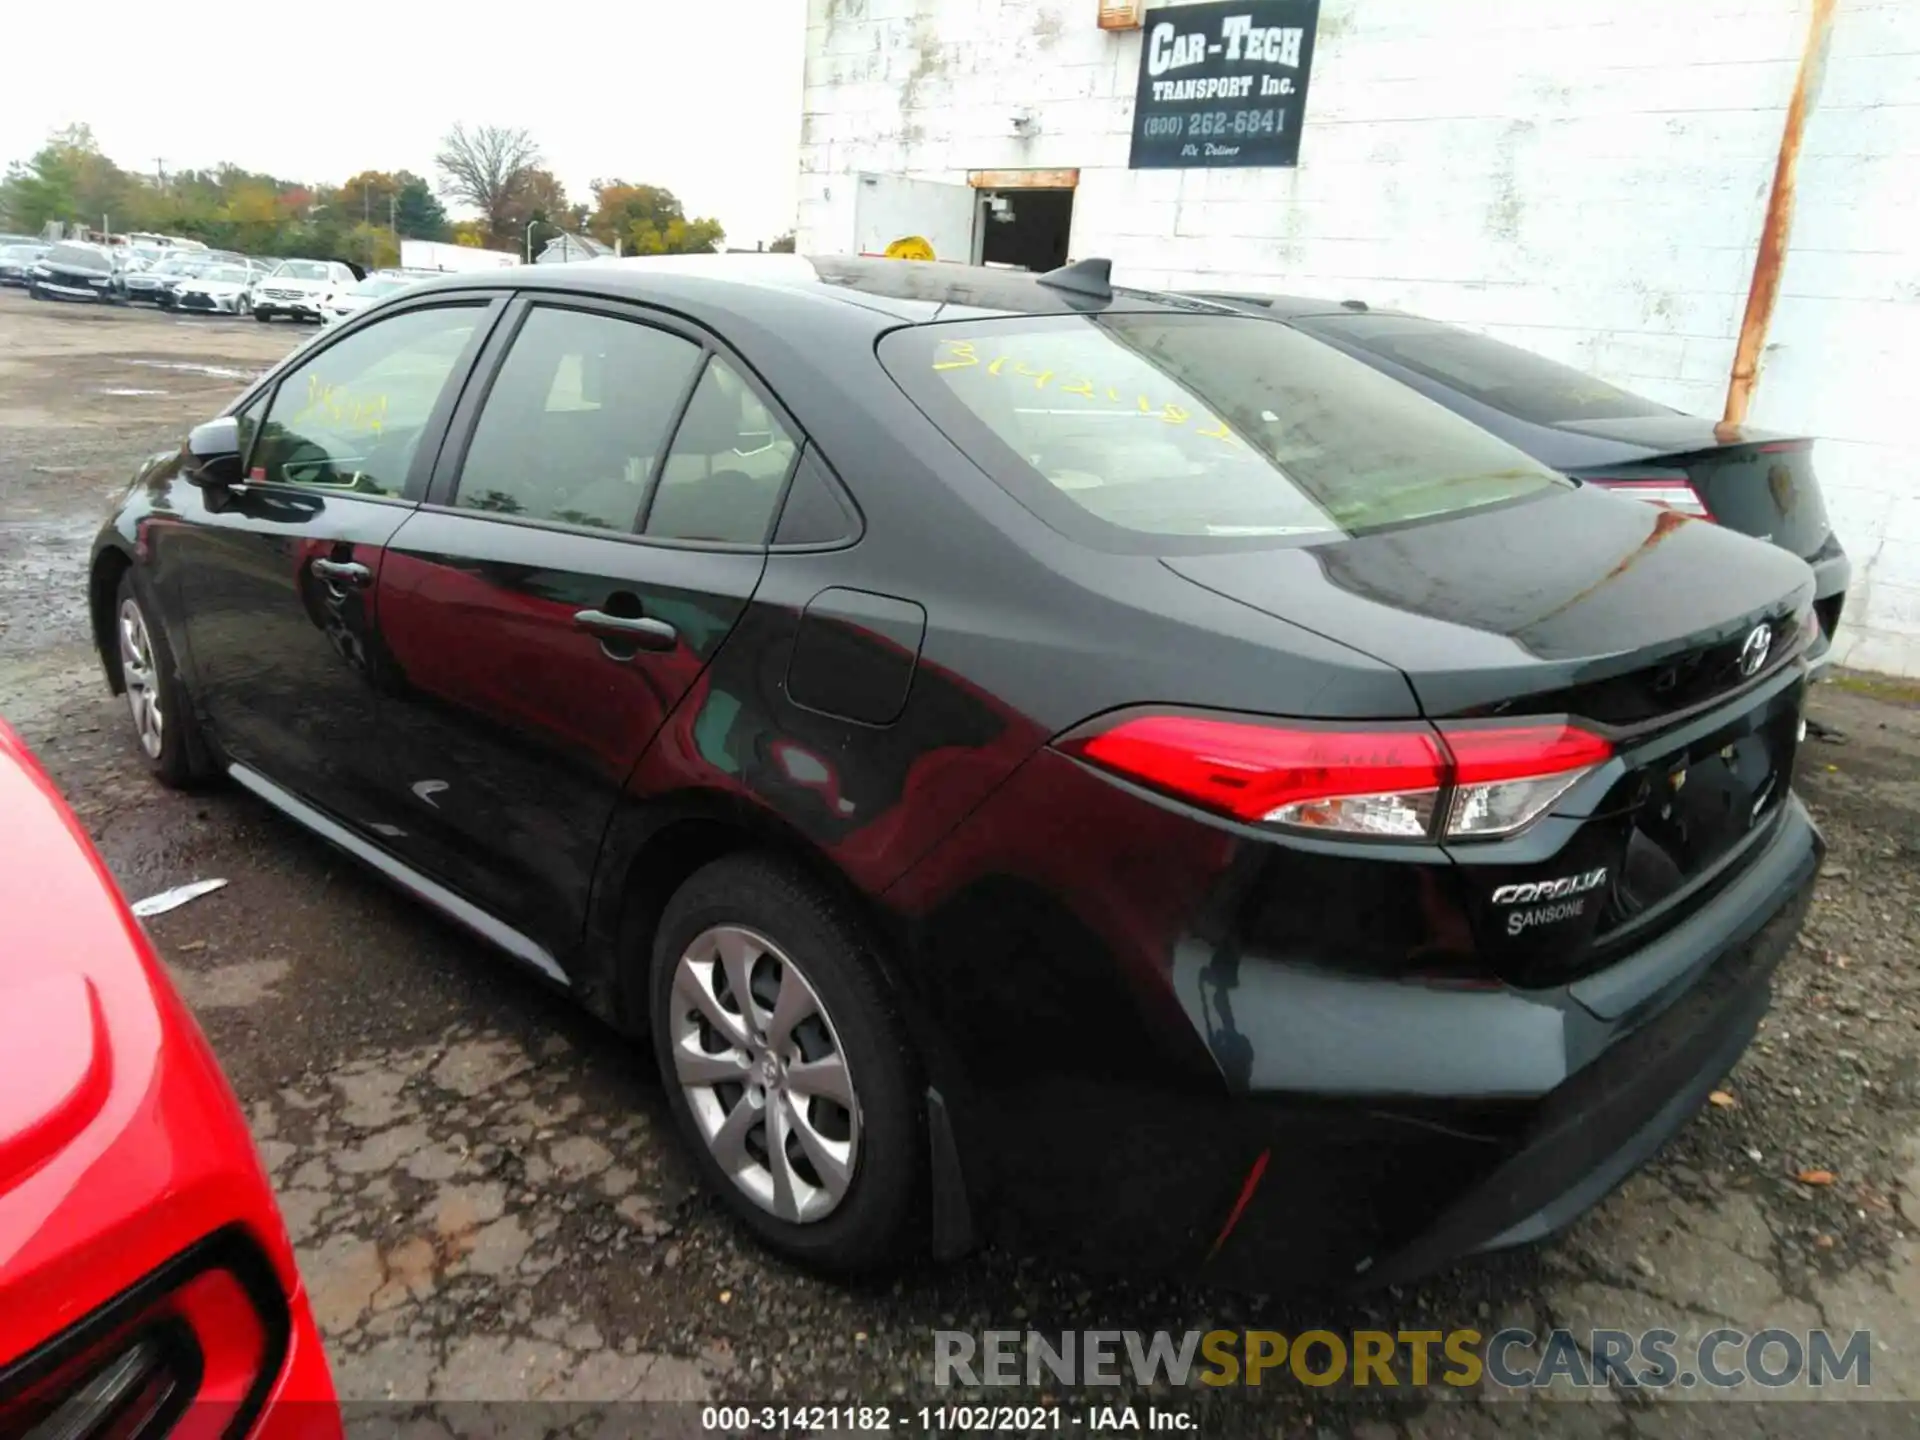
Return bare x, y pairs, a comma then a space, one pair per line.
343, 572
638, 630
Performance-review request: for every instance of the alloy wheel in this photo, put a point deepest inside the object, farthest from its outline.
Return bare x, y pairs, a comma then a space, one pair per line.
764, 1073
142, 679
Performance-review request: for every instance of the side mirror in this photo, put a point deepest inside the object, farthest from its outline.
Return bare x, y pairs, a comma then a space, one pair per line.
213, 454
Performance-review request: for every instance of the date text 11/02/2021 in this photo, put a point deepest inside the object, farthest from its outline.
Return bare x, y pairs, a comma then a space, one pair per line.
943, 1419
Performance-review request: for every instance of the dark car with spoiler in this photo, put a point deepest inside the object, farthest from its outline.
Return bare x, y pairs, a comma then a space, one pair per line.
1028, 754
1759, 483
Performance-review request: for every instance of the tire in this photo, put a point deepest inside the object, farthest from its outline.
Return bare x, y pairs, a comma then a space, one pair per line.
265, 317
34, 292
165, 731
757, 902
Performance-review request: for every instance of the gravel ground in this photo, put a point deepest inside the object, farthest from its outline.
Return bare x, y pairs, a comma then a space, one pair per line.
487, 1202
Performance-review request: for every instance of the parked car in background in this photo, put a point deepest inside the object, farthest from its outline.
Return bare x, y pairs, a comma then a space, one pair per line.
301, 289
1754, 481
154, 286
146, 1281
216, 289
377, 286
17, 260
74, 270
1022, 749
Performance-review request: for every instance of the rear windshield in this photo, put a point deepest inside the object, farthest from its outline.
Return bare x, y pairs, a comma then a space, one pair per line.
79, 257
1119, 427
1505, 377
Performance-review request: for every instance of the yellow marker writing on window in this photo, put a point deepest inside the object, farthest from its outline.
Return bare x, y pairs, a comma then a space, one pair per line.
959, 355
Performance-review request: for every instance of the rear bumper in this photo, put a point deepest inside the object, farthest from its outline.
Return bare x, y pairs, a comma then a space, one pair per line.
1832, 574
1339, 1127
1666, 1054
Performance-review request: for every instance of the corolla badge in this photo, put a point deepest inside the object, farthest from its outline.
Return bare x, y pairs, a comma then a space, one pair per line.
1559, 889
1753, 651
1565, 899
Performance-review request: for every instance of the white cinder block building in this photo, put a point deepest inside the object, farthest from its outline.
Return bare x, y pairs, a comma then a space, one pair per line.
1590, 181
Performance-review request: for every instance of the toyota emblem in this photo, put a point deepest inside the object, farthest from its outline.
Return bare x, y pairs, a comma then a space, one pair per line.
1753, 651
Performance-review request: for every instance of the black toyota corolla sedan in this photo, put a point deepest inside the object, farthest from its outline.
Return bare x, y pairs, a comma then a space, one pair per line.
1033, 757
1751, 480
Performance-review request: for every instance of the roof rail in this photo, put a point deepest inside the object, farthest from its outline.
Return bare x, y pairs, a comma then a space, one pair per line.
1091, 277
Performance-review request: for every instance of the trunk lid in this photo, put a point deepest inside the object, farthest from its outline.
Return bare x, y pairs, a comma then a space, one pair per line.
1641, 623
1763, 487
1574, 602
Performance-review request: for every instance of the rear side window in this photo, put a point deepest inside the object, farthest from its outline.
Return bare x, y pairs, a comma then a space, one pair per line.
729, 460
576, 420
1505, 377
1130, 428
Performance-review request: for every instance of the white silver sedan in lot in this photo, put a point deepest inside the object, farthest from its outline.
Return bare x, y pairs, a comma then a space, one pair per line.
218, 290
375, 287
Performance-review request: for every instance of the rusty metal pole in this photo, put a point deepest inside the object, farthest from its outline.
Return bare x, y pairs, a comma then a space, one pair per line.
1771, 258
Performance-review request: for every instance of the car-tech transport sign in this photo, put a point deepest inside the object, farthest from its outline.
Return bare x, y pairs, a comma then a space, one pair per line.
1223, 84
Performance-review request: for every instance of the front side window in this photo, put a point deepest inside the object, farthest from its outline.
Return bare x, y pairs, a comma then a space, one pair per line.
351, 417
1128, 430
729, 460
576, 420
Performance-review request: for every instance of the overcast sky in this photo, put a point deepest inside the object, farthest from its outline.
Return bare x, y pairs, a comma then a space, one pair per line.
701, 97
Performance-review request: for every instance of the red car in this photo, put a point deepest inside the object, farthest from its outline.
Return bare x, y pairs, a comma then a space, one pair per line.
147, 1287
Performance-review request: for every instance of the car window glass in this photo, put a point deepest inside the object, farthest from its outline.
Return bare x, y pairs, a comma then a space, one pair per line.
351, 417
814, 512
730, 458
1198, 426
1527, 386
576, 420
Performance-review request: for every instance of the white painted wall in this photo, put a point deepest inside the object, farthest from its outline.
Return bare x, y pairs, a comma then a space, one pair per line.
1587, 180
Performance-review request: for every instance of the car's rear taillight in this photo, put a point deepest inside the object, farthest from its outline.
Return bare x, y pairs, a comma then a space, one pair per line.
191, 1351
1669, 492
1403, 781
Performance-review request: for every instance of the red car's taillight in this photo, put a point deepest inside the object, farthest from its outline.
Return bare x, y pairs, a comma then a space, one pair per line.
1398, 782
1668, 492
190, 1352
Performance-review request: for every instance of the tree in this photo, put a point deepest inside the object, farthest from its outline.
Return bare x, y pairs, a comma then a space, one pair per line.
782, 245
648, 220
417, 214
371, 247
481, 167
471, 233
68, 179
539, 196
366, 197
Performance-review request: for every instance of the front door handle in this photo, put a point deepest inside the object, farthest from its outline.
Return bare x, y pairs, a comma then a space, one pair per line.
638, 630
343, 572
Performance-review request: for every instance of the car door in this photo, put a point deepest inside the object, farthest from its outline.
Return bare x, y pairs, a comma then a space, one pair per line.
596, 528
276, 576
